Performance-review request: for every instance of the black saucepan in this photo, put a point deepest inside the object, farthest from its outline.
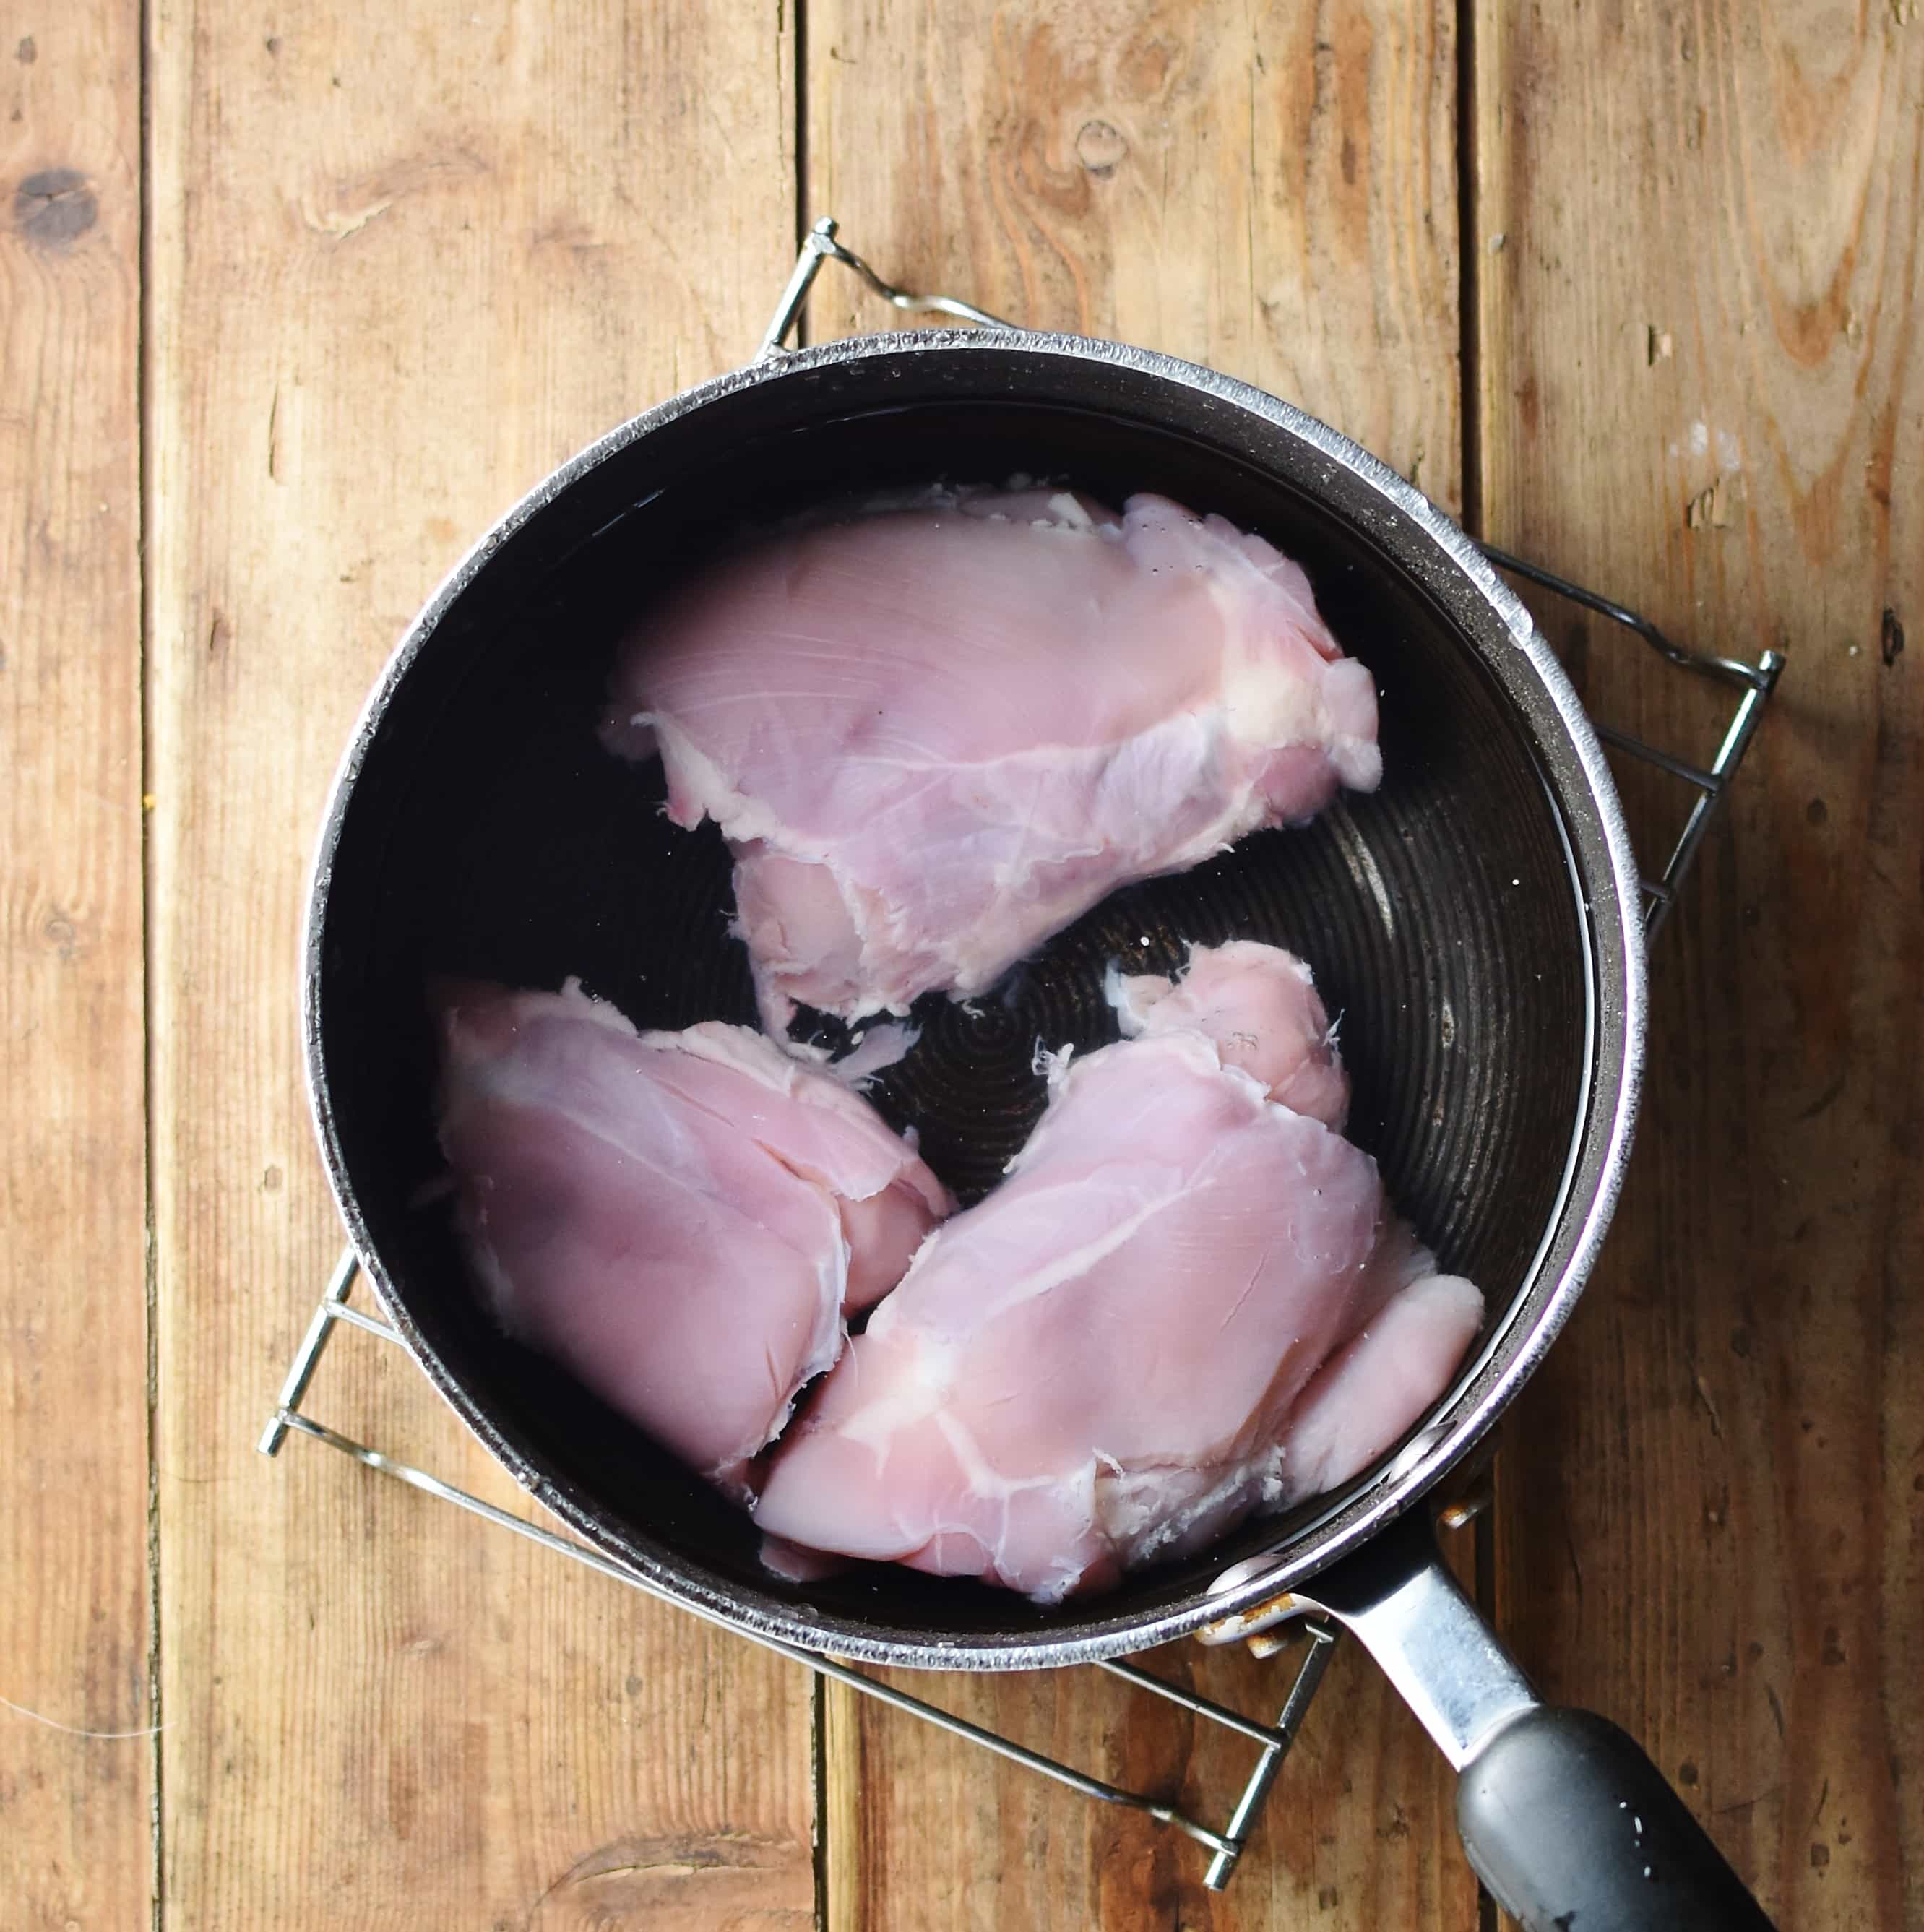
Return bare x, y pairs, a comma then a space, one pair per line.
1475, 922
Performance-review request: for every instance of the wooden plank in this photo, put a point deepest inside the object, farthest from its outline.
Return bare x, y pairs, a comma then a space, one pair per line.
1271, 190
75, 1756
405, 261
1701, 305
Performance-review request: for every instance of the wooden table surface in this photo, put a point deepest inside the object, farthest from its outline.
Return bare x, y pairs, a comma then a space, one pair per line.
298, 299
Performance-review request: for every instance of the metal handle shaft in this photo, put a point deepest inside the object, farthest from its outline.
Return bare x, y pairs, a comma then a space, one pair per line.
1567, 1822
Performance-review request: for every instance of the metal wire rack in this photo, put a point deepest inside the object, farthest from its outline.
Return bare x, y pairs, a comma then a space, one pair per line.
1754, 683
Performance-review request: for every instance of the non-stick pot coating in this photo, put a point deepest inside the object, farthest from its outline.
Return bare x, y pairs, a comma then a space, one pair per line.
487, 834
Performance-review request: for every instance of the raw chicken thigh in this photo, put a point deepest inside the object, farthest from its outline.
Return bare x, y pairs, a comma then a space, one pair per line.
935, 735
1186, 1301
683, 1219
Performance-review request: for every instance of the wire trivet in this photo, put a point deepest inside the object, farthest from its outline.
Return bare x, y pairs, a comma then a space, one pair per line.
1753, 683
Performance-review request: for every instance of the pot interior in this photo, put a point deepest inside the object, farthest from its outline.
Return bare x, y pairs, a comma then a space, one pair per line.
487, 834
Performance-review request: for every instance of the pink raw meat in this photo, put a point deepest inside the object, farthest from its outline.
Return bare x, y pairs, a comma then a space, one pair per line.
683, 1219
935, 736
1259, 1005
1186, 1301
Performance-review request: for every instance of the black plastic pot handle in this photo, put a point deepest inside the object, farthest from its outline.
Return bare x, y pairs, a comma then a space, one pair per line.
1567, 1822
1574, 1829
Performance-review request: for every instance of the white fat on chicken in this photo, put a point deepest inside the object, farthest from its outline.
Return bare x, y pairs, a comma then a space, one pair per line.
684, 1220
1186, 1301
935, 735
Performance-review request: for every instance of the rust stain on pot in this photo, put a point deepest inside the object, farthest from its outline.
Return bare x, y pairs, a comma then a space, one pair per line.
55, 206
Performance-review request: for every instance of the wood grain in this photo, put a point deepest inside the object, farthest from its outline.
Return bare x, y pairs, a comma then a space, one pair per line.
1270, 189
403, 261
1701, 297
75, 1763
